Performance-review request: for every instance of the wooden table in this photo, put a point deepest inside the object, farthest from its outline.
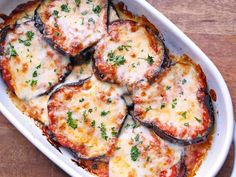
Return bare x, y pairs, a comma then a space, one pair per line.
210, 24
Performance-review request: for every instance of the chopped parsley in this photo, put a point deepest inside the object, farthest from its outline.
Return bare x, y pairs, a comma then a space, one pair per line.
11, 51
89, 1
65, 8
93, 123
97, 9
33, 83
127, 125
136, 138
35, 74
163, 105
85, 115
77, 2
134, 153
55, 14
186, 124
103, 131
168, 87
70, 121
150, 60
197, 119
124, 47
115, 60
148, 159
49, 83
148, 108
30, 36
39, 66
81, 100
90, 110
104, 113
184, 114
109, 100
113, 131
174, 103
56, 33
184, 81
56, 25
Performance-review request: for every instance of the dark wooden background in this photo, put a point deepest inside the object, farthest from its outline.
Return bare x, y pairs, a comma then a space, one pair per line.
211, 24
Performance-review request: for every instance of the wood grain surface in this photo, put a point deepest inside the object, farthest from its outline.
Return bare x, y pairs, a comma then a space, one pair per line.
210, 24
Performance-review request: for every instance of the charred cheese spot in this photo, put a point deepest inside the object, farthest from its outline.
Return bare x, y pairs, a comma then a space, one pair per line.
85, 122
27, 68
70, 26
139, 152
175, 103
130, 53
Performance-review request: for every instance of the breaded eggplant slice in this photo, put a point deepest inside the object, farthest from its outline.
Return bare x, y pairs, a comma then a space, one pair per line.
72, 26
30, 67
86, 117
129, 53
175, 105
140, 152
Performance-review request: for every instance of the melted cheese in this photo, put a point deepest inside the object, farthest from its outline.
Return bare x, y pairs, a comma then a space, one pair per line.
35, 108
36, 67
172, 102
77, 26
153, 155
136, 45
80, 72
97, 110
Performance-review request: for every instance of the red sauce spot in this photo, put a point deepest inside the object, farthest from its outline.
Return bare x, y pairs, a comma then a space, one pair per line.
212, 93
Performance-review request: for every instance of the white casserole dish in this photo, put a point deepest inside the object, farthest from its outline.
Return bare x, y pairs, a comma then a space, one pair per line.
178, 43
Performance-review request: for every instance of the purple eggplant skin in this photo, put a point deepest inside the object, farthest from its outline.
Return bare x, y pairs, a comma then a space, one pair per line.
41, 27
183, 142
3, 35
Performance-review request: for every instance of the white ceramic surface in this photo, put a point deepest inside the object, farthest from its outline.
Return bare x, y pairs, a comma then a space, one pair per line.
178, 43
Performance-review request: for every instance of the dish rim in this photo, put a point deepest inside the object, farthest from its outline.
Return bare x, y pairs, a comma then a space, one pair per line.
209, 64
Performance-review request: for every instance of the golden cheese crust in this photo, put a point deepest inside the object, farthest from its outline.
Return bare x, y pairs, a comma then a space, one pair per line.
87, 116
175, 103
72, 26
131, 52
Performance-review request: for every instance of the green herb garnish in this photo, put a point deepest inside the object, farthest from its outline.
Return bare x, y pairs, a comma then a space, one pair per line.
104, 113
103, 131
115, 60
174, 103
70, 121
134, 153
184, 114
97, 9
65, 8
124, 47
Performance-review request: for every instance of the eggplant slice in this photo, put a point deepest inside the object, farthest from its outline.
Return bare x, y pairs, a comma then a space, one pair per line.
175, 104
86, 117
140, 152
30, 66
72, 26
129, 53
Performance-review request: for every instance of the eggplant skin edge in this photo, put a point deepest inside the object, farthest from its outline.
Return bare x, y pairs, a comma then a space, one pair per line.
184, 142
41, 27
